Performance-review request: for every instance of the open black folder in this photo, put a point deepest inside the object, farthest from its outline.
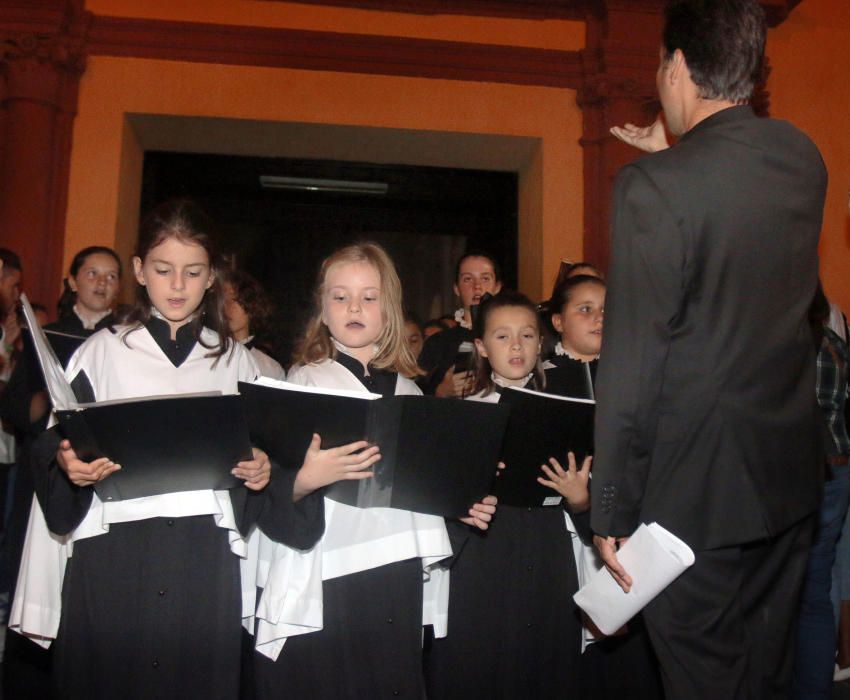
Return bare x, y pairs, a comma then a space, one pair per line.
438, 456
541, 426
164, 444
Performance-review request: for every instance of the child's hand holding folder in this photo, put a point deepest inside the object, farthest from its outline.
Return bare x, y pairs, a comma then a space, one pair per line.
570, 483
325, 467
82, 473
255, 472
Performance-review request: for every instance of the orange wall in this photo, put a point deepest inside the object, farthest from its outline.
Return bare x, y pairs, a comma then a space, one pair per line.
809, 86
106, 156
105, 160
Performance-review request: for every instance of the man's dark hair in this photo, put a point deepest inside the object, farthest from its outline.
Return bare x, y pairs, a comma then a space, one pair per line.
11, 260
723, 43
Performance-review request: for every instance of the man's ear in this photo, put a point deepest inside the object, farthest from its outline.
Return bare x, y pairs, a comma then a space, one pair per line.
480, 347
678, 66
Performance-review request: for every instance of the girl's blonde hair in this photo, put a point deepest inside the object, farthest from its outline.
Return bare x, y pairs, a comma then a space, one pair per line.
393, 351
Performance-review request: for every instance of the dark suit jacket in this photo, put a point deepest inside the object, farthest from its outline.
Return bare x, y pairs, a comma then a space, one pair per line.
706, 414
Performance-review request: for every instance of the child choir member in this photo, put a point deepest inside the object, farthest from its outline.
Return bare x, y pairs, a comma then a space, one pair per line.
248, 312
513, 630
351, 610
151, 596
622, 665
576, 312
86, 306
445, 357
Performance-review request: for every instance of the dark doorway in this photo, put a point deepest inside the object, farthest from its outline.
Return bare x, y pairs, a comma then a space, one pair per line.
425, 217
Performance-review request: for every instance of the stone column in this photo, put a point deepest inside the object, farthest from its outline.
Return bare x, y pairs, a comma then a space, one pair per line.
619, 67
41, 72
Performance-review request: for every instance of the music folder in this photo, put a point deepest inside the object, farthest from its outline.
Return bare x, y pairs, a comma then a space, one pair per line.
438, 456
540, 426
164, 444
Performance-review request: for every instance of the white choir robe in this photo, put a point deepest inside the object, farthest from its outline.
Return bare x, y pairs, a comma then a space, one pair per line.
355, 540
125, 367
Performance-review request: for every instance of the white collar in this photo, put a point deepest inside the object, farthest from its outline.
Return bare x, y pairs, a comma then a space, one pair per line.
500, 381
560, 351
460, 318
343, 348
88, 324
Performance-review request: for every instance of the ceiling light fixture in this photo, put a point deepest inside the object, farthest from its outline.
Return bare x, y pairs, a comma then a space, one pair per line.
280, 182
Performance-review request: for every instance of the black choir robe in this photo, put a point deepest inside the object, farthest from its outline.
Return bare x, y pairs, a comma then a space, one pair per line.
514, 630
622, 666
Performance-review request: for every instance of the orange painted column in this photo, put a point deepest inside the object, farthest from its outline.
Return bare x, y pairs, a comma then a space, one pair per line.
619, 69
41, 75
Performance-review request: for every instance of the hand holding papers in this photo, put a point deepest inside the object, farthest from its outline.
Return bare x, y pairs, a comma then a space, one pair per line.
654, 558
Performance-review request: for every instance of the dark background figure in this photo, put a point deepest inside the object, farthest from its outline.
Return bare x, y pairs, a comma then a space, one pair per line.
707, 419
446, 356
815, 650
90, 291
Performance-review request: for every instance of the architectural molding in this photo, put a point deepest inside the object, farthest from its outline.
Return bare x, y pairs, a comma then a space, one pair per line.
776, 10
517, 9
316, 50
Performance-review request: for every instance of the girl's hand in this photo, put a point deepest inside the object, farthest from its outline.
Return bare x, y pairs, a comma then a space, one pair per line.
82, 473
256, 472
323, 467
646, 138
480, 514
571, 484
462, 382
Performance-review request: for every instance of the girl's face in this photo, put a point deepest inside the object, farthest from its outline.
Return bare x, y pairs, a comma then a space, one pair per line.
580, 321
237, 318
177, 275
96, 283
351, 305
475, 278
511, 342
414, 337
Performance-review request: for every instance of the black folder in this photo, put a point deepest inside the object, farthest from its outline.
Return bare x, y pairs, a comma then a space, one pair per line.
438, 456
540, 426
566, 381
164, 445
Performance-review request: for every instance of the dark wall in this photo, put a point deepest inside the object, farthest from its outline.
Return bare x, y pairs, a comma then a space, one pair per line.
427, 218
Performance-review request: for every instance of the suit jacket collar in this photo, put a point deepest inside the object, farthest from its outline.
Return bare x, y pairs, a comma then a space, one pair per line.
724, 116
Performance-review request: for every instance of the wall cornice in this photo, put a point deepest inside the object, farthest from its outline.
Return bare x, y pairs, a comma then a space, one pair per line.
316, 50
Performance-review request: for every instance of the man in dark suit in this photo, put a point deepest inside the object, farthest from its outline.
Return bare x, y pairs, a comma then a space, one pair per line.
706, 417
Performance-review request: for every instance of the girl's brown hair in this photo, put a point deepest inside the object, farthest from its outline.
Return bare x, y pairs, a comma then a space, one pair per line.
481, 369
184, 220
393, 352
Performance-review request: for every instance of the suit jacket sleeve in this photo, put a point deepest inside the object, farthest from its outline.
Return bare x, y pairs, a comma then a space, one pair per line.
645, 291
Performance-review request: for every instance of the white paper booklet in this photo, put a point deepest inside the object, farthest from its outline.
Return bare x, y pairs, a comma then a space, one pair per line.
60, 391
654, 558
